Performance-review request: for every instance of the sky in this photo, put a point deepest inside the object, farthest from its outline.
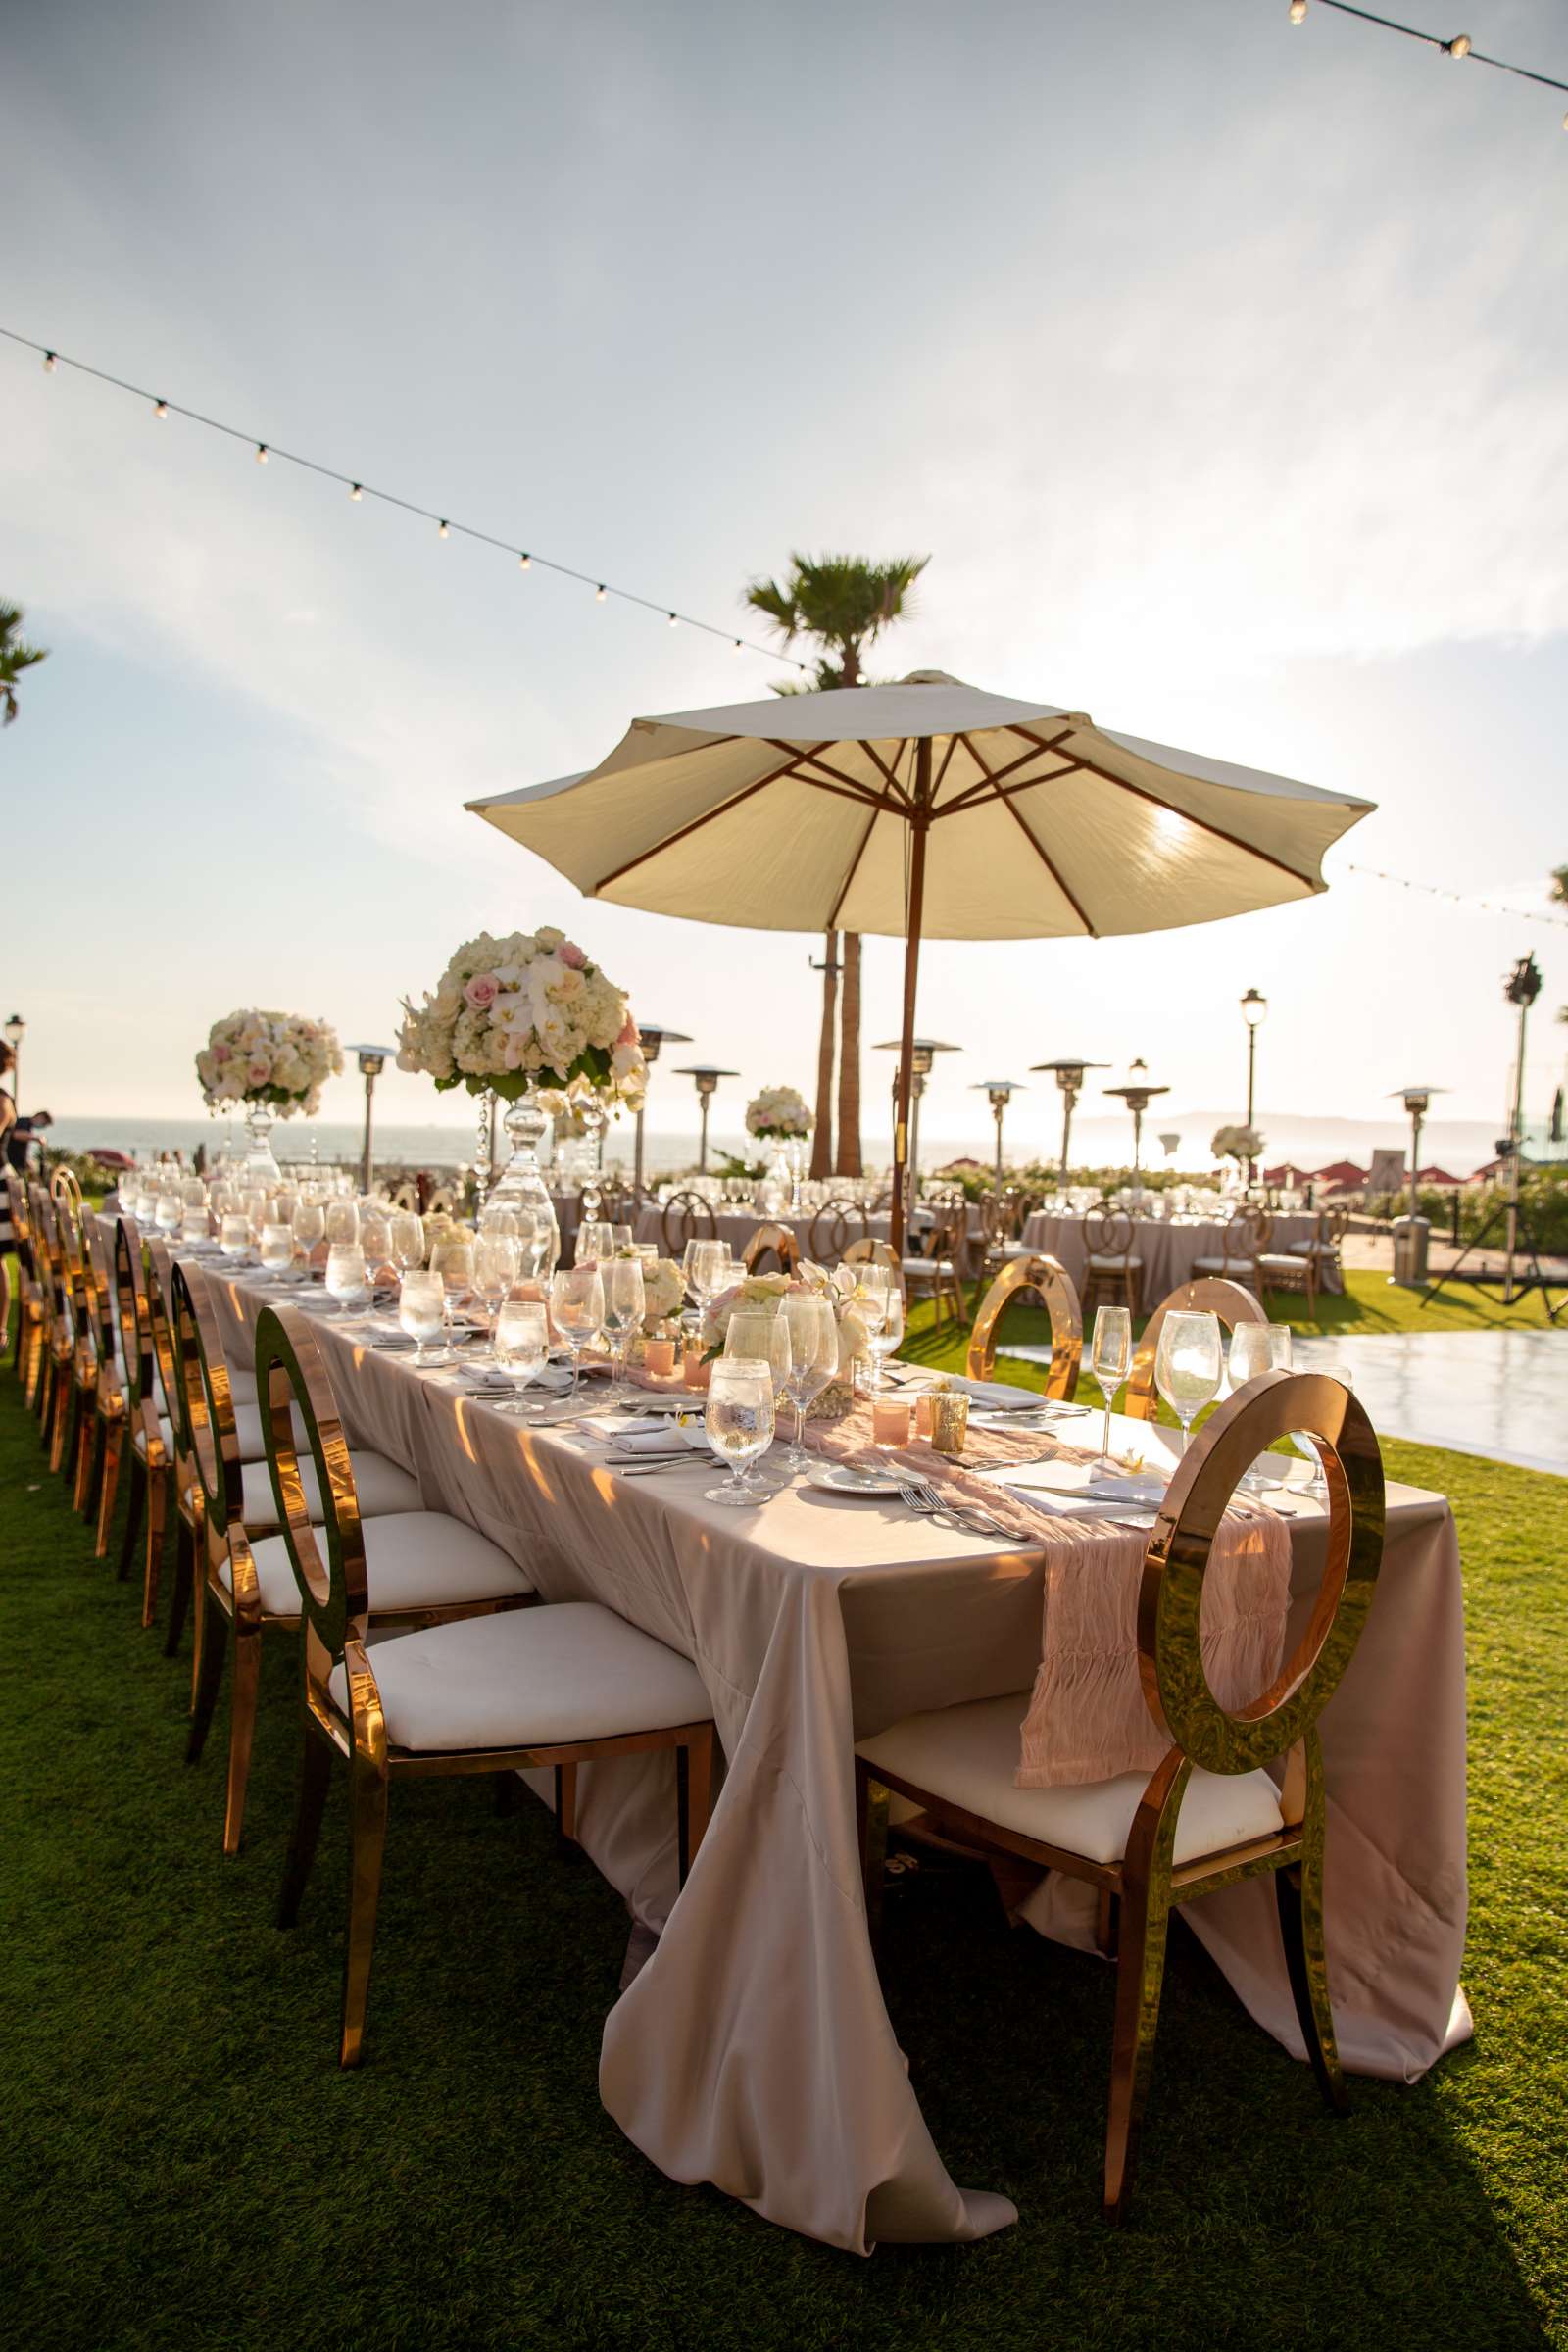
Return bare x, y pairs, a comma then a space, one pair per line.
1218, 365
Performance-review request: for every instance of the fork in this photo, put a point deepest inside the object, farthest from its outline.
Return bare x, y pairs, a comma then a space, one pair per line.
920, 1496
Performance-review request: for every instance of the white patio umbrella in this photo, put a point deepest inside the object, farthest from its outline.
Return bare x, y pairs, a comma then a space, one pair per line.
925, 810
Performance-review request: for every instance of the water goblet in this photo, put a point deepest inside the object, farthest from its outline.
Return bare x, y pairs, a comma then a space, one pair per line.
522, 1344
309, 1227
421, 1309
234, 1235
739, 1421
577, 1309
813, 1330
452, 1258
404, 1240
1251, 1352
625, 1305
169, 1213
347, 1279
1110, 1359
495, 1270
276, 1251
1188, 1364
340, 1224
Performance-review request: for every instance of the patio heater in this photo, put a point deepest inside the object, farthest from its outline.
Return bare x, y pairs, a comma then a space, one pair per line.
1417, 1101
1137, 1094
1070, 1077
1001, 1092
707, 1087
1254, 1007
372, 1060
653, 1038
16, 1031
924, 1051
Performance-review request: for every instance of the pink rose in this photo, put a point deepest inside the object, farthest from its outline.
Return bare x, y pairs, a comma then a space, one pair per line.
629, 1033
260, 1073
219, 1053
571, 955
482, 991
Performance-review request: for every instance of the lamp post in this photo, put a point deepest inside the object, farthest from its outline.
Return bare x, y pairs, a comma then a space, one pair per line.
1254, 1007
653, 1038
707, 1087
924, 1051
1521, 988
1001, 1092
1069, 1076
372, 1060
16, 1031
1417, 1101
1137, 1094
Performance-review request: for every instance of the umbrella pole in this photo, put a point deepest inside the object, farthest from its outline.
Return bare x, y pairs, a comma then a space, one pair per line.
919, 821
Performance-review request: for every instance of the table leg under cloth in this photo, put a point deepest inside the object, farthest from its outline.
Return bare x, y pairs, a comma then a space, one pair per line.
754, 2049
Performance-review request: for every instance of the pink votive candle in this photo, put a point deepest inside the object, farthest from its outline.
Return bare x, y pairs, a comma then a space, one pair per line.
924, 1410
694, 1371
890, 1420
659, 1357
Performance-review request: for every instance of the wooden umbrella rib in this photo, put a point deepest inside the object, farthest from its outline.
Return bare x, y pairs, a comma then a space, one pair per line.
953, 742
1050, 865
1247, 848
668, 840
852, 784
889, 772
832, 923
992, 779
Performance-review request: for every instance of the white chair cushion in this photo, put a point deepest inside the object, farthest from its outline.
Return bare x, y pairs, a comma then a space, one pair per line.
412, 1560
166, 1431
969, 1754
241, 1384
926, 1265
534, 1678
1225, 1266
382, 1487
1107, 1262
1280, 1262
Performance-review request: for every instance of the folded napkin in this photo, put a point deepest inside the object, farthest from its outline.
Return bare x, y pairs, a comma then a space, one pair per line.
640, 1436
1001, 1396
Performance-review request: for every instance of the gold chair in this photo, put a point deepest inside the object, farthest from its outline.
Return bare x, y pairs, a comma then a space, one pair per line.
938, 1275
60, 1329
151, 1432
1115, 1270
869, 1253
28, 1350
81, 1310
835, 1225
1052, 1286
686, 1217
242, 1575
771, 1240
182, 1486
1210, 1813
1291, 1270
110, 1398
555, 1685
1240, 1248
1226, 1300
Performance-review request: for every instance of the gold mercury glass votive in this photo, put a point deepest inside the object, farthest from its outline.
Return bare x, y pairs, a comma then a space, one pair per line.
950, 1420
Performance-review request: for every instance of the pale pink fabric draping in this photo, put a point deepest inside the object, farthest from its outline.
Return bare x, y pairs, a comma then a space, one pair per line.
754, 2051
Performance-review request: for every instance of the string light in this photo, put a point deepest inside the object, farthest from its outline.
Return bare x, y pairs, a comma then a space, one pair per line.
1458, 45
1454, 897
527, 557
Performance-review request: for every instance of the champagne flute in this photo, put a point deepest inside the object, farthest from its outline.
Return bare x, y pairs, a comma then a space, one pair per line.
813, 1330
1110, 1359
421, 1309
1188, 1364
495, 1270
578, 1308
522, 1344
739, 1422
625, 1305
346, 1278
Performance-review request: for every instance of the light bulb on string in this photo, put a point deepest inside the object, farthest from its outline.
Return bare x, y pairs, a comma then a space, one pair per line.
599, 593
50, 362
737, 645
673, 622
524, 561
442, 532
1297, 12
1459, 46
356, 491
261, 453
160, 408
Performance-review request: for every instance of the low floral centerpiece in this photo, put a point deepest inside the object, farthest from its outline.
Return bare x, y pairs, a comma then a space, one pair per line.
275, 1064
765, 1293
663, 1289
518, 1017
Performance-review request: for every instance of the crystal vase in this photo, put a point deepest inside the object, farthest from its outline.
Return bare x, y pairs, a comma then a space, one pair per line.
261, 1168
520, 1185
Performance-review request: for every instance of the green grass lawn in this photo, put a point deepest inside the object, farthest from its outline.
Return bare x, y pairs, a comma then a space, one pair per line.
181, 2164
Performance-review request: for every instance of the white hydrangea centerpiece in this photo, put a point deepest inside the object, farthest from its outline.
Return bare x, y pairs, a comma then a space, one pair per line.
779, 1114
274, 1058
527, 1013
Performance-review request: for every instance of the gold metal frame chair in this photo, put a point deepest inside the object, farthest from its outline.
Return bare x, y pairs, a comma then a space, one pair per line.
110, 1398
778, 1241
1241, 1251
687, 1218
81, 1308
335, 1592
870, 1253
1147, 1883
833, 1227
1211, 1295
185, 1487
60, 1330
939, 1273
152, 1455
1117, 1232
28, 1350
1053, 1286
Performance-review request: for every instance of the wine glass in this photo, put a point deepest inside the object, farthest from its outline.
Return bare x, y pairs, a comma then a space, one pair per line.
813, 1330
277, 1247
347, 1279
1251, 1352
169, 1213
884, 1337
404, 1240
596, 1239
623, 1237
1110, 1359
1188, 1364
521, 1344
1318, 1486
421, 1309
578, 1308
709, 1275
375, 1240
341, 1224
234, 1235
739, 1421
495, 1270
625, 1305
452, 1258
310, 1227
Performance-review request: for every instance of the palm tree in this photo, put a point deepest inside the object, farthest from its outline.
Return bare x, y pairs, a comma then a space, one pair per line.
15, 656
842, 604
822, 1132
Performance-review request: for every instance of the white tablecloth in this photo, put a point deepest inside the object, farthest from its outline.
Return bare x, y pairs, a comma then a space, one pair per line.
736, 1225
1167, 1249
753, 2049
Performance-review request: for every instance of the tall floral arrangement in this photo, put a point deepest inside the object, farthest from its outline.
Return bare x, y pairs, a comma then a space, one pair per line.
526, 1012
778, 1113
271, 1058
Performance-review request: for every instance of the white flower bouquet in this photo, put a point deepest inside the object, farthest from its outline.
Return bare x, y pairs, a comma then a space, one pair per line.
526, 1012
779, 1114
271, 1058
663, 1289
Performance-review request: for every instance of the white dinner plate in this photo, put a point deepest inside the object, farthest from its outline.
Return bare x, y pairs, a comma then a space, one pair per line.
837, 1477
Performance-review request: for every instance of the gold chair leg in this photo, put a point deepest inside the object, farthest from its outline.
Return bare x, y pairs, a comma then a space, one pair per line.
315, 1767
185, 1576
209, 1677
367, 1791
244, 1689
59, 1409
1299, 1891
1139, 1972
113, 1446
157, 1517
567, 1803
134, 1511
89, 1436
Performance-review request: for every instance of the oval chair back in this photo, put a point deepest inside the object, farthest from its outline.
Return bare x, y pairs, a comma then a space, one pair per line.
1107, 1231
687, 1218
771, 1240
1052, 1285
869, 1253
159, 1268
295, 1395
1210, 1295
135, 1321
206, 1428
836, 1224
64, 1186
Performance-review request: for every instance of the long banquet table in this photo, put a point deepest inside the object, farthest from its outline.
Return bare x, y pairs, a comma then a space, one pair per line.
736, 1225
753, 2049
1167, 1245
